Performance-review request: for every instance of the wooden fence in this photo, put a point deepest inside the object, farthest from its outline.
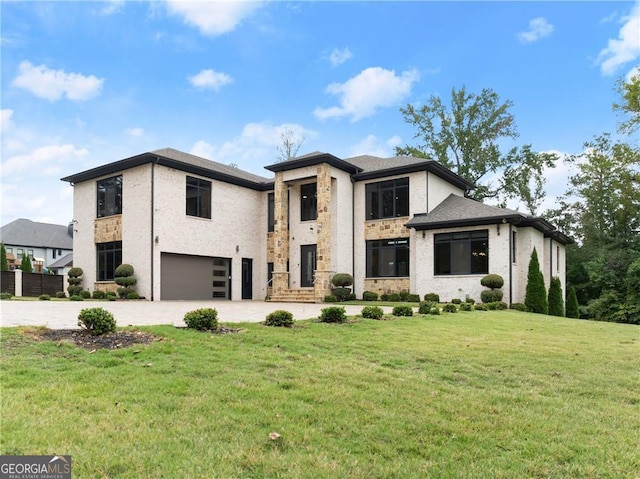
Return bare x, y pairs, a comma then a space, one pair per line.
32, 284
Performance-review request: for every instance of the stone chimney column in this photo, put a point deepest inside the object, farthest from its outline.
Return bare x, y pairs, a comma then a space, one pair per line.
323, 242
281, 235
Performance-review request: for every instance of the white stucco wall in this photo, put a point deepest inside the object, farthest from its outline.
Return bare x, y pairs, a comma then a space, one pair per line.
341, 222
437, 191
84, 214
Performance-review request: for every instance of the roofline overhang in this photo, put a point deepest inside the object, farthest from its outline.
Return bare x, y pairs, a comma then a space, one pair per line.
428, 165
313, 161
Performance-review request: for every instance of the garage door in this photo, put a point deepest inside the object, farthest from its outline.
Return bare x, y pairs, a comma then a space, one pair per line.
194, 277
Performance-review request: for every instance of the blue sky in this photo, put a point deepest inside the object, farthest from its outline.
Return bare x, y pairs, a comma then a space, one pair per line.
88, 83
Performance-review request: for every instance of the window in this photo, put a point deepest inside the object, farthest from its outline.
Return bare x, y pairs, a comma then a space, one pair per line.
558, 259
466, 252
9, 250
109, 257
514, 248
20, 252
54, 253
387, 199
269, 275
110, 196
271, 207
30, 253
388, 258
308, 202
198, 197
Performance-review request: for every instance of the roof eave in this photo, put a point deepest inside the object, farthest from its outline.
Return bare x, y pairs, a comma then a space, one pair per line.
312, 161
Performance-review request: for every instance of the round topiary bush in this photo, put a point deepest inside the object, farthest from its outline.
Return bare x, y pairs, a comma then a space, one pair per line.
491, 295
330, 299
434, 297
5, 296
402, 310
456, 301
342, 280
85, 294
75, 273
413, 298
99, 294
450, 308
124, 271
280, 318
333, 314
466, 307
76, 297
518, 306
61, 294
369, 296
342, 294
372, 312
203, 319
97, 321
425, 307
435, 311
44, 297
493, 281
133, 295
394, 297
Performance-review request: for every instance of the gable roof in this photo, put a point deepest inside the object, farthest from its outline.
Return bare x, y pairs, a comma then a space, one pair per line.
180, 160
457, 211
24, 232
312, 159
66, 260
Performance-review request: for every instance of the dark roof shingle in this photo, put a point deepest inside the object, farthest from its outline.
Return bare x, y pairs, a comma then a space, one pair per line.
24, 232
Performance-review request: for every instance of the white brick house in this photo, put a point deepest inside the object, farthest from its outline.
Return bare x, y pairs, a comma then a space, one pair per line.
197, 229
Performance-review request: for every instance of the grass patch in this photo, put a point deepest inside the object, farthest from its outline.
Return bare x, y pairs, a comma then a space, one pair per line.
488, 394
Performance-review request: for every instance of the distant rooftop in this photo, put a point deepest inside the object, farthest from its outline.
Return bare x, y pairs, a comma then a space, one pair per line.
24, 232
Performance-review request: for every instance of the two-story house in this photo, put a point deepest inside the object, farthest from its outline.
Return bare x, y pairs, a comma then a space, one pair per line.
197, 229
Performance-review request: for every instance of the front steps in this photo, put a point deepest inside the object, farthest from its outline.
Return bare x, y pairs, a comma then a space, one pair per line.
294, 296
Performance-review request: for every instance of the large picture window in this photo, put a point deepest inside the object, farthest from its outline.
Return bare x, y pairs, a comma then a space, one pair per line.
308, 202
387, 199
109, 257
109, 196
198, 197
466, 252
388, 258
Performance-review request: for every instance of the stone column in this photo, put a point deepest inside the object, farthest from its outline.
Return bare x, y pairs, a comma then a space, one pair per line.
323, 239
280, 236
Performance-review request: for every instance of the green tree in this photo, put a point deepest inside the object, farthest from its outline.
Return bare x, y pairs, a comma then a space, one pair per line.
572, 304
536, 295
4, 264
556, 304
25, 264
629, 106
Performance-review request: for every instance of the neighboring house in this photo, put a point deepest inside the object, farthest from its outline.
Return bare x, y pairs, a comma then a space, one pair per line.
44, 243
197, 229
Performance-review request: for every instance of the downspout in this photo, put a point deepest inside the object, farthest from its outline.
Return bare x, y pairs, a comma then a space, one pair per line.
511, 263
153, 164
353, 227
550, 259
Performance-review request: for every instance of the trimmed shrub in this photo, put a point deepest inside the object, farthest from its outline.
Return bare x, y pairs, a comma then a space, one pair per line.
125, 279
456, 301
74, 281
402, 310
536, 296
466, 307
413, 298
394, 297
572, 304
425, 307
203, 319
124, 292
61, 294
75, 273
97, 321
501, 305
76, 297
74, 290
435, 311
480, 307
341, 293
111, 297
434, 297
333, 314
470, 301
450, 308
491, 295
352, 297
556, 304
372, 312
384, 297
342, 280
44, 297
330, 299
133, 295
369, 296
493, 281
518, 306
4, 296
99, 294
85, 294
403, 295
279, 318
124, 270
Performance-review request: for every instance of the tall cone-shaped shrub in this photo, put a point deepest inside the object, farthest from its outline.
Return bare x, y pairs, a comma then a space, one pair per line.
536, 296
556, 304
572, 304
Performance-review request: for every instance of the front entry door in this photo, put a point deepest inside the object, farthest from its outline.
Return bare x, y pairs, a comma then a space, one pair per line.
307, 265
247, 278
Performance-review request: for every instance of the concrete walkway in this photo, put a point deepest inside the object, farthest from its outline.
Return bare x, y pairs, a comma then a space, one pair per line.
64, 314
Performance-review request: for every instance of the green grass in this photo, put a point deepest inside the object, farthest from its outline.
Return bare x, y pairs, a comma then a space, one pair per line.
465, 395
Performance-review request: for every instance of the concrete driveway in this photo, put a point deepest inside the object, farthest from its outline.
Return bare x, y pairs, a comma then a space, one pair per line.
64, 314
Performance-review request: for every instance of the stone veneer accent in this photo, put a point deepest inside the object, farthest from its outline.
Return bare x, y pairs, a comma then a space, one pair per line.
323, 242
387, 285
106, 230
280, 236
106, 286
271, 254
386, 229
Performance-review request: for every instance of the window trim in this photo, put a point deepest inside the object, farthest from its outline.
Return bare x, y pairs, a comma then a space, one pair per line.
380, 245
450, 239
199, 185
379, 188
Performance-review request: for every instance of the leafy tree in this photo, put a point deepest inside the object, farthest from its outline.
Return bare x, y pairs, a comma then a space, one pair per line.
465, 135
25, 264
572, 304
630, 103
536, 295
4, 264
556, 304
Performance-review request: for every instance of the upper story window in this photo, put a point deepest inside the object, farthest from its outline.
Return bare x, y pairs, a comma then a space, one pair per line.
465, 252
387, 199
271, 207
198, 197
388, 257
308, 202
110, 196
20, 252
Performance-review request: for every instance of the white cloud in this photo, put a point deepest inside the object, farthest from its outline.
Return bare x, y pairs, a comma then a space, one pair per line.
5, 119
538, 28
134, 132
625, 48
213, 18
372, 145
43, 161
362, 95
210, 79
52, 85
339, 55
111, 7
